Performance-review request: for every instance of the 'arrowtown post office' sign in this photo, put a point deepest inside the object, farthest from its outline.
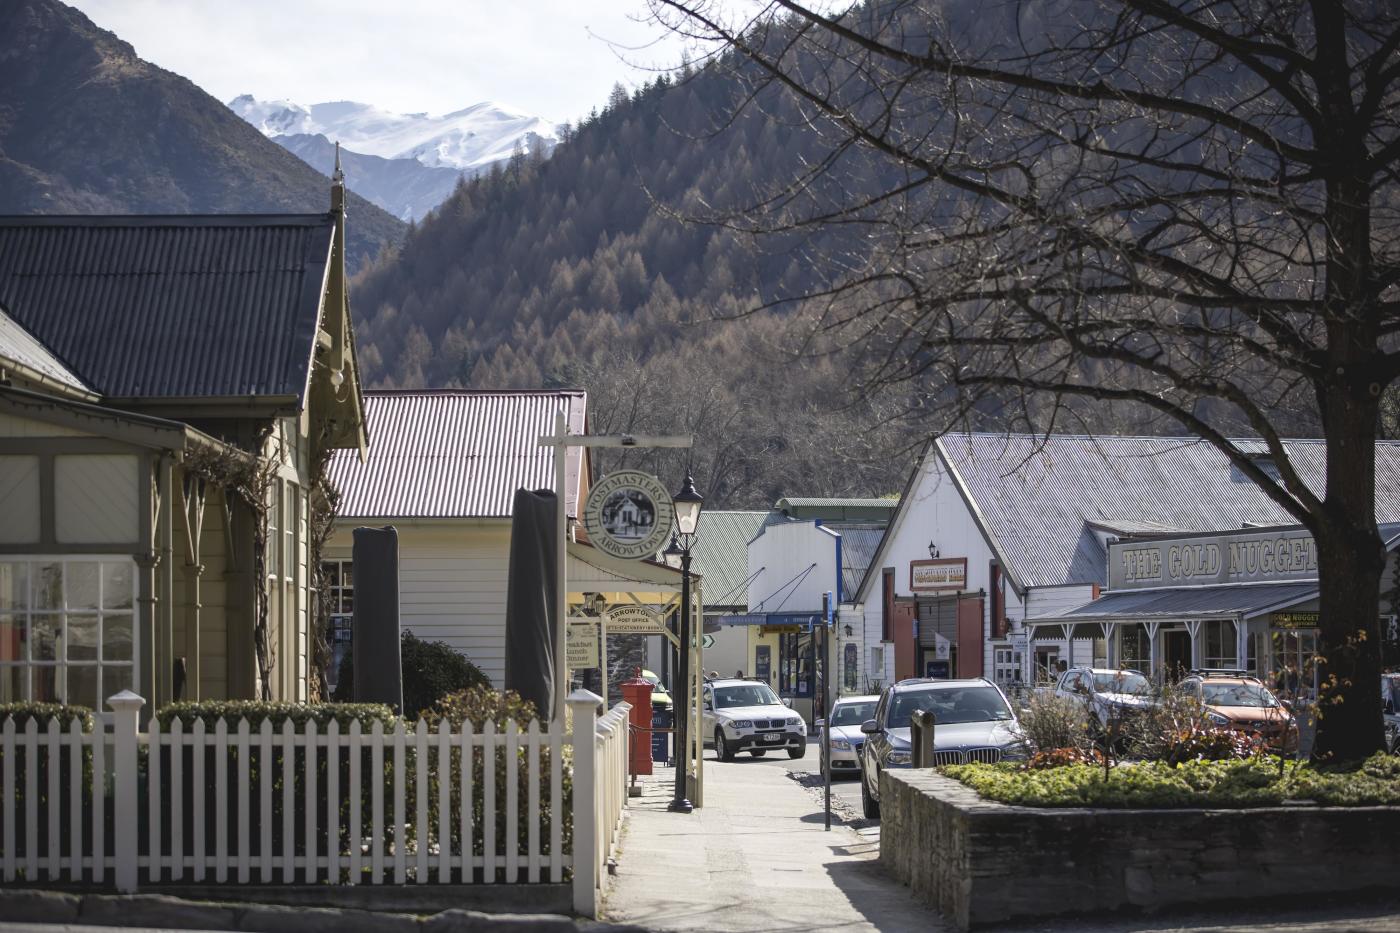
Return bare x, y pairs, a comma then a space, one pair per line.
629, 514
1243, 557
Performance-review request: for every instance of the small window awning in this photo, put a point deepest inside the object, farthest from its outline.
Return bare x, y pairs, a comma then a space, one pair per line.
1183, 603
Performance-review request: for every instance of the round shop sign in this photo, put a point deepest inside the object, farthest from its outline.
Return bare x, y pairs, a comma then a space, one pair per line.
629, 515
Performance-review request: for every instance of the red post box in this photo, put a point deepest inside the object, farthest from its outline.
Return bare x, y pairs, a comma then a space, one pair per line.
637, 691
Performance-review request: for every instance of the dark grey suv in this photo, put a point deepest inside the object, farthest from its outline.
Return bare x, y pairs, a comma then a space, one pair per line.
974, 723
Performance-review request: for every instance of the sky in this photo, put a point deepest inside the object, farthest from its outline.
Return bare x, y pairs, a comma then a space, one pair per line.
555, 59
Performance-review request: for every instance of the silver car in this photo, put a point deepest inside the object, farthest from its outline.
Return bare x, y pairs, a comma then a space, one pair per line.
843, 735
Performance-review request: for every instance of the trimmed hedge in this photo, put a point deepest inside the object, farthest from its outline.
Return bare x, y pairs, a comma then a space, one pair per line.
22, 713
431, 670
1254, 782
256, 711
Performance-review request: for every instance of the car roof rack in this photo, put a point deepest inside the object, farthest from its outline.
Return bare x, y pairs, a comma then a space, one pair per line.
1219, 672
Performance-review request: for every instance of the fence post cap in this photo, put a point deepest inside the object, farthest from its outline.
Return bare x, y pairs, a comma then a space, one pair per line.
125, 700
582, 697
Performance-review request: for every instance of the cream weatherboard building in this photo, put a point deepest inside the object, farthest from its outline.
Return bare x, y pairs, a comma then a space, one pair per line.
169, 386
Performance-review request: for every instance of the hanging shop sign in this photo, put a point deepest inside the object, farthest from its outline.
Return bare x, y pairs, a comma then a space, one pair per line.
581, 645
633, 620
945, 573
629, 515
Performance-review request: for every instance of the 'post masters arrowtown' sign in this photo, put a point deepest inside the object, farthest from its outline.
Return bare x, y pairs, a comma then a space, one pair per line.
629, 514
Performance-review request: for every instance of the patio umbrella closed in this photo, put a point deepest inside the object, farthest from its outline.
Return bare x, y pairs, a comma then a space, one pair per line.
530, 609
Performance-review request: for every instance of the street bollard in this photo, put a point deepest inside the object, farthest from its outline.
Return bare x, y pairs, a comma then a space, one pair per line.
921, 726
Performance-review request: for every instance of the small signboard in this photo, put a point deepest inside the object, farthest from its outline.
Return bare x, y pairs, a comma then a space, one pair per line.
945, 573
1295, 619
629, 514
581, 646
634, 620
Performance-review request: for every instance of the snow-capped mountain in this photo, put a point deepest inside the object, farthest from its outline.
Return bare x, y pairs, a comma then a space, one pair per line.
469, 139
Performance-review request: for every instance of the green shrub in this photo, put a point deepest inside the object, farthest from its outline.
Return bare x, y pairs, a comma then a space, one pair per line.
256, 711
1054, 722
431, 670
1253, 782
43, 712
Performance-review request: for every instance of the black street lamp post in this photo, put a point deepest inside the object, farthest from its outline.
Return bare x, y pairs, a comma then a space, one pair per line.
688, 503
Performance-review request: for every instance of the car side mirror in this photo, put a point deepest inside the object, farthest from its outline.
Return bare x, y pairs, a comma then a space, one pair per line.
871, 727
787, 701
819, 724
1286, 704
709, 705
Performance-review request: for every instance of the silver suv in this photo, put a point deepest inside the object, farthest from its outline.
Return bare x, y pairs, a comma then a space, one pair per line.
747, 716
1107, 694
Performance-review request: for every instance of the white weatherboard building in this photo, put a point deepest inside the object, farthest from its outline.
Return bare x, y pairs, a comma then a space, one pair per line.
1001, 549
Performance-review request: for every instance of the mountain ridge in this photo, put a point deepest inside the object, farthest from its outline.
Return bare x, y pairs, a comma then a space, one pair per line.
87, 126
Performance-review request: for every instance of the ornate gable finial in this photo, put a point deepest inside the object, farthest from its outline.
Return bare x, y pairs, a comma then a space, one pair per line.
337, 176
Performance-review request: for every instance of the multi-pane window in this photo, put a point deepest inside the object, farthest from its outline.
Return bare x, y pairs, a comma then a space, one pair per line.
67, 632
1218, 650
1006, 666
340, 583
1134, 647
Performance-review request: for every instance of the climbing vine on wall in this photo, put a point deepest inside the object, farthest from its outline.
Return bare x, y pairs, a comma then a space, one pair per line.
249, 478
323, 500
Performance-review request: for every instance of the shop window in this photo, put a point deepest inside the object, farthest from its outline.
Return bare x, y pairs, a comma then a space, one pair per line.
1293, 672
1134, 647
1006, 667
1218, 649
67, 629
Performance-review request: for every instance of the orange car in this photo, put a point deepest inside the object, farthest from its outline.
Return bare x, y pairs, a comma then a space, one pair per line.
1235, 700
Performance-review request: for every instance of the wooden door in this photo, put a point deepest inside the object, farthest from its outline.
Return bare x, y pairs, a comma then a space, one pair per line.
906, 660
970, 642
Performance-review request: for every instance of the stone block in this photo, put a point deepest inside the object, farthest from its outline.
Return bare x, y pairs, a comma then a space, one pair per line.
20, 905
155, 910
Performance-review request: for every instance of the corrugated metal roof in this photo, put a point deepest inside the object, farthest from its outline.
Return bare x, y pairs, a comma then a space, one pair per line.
1038, 496
1203, 601
171, 306
19, 346
859, 542
721, 555
455, 454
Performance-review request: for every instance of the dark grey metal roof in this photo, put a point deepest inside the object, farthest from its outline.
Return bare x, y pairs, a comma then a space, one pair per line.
456, 454
171, 306
1192, 601
1039, 497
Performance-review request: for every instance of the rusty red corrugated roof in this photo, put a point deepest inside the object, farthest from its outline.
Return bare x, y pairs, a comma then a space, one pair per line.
448, 453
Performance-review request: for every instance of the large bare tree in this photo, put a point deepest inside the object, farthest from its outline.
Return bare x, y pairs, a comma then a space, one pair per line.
1187, 206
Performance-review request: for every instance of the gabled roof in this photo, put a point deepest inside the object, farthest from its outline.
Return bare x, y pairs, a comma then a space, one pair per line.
859, 544
19, 348
721, 554
171, 306
1043, 501
446, 453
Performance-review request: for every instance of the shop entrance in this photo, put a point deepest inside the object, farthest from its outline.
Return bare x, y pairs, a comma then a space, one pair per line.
1176, 653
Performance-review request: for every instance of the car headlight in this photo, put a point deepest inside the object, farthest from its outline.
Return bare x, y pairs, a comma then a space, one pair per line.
741, 724
799, 725
898, 758
841, 744
1218, 719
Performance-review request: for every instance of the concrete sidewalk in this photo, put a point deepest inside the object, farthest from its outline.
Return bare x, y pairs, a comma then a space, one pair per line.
756, 858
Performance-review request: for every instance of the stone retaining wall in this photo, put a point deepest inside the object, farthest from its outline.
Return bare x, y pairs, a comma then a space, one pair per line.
981, 862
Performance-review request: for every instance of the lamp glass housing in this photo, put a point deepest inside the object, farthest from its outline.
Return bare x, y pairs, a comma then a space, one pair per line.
688, 502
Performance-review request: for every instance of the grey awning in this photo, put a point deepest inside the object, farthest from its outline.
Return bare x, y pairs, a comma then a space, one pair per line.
1205, 602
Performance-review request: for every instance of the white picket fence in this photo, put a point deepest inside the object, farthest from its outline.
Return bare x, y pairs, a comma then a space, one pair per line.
312, 806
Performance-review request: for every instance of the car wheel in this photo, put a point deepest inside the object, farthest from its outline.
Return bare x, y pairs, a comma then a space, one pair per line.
758, 752
797, 751
868, 805
722, 750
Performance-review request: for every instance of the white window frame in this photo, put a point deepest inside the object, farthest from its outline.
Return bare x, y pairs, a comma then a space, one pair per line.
61, 664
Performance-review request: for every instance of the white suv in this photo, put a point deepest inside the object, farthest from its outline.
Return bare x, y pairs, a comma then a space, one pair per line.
747, 716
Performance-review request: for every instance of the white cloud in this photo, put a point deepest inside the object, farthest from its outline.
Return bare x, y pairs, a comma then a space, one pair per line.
554, 58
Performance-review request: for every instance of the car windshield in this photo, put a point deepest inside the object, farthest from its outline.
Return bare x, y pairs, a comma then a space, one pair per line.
1251, 695
950, 705
1130, 682
745, 695
852, 714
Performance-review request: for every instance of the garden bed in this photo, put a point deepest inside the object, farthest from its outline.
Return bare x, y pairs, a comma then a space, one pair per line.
980, 861
1255, 782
